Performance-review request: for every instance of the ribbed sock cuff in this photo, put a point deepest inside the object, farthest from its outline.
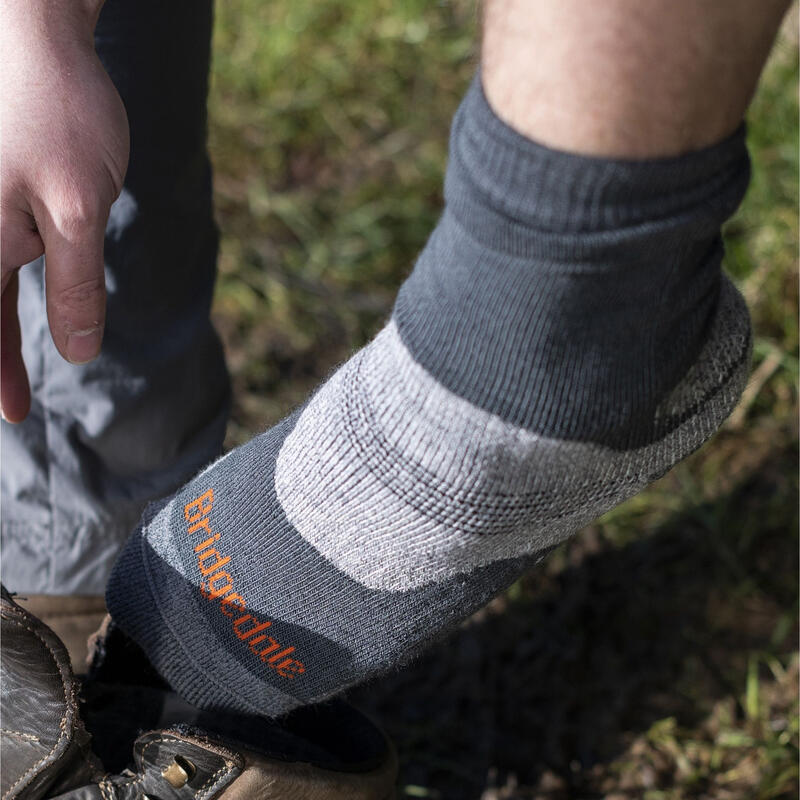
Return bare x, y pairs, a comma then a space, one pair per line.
501, 185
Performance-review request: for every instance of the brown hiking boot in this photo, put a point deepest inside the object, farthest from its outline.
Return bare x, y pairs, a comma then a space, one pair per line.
325, 752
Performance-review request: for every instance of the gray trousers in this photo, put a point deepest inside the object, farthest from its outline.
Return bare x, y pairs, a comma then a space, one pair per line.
105, 438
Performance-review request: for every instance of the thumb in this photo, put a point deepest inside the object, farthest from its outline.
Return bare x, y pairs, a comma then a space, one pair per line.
74, 281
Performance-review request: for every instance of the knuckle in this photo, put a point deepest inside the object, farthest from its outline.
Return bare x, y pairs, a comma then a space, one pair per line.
78, 212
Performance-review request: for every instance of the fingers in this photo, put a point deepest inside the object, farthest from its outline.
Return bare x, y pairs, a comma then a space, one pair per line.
74, 279
15, 393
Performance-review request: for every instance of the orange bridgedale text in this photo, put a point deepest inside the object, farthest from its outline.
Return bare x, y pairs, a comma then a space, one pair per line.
217, 587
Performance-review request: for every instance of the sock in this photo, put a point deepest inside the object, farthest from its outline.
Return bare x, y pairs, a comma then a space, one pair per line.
565, 337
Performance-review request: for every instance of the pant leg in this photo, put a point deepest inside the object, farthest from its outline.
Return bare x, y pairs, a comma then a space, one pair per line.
105, 438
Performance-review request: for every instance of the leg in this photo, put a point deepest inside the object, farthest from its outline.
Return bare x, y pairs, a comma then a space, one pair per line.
105, 438
625, 80
565, 337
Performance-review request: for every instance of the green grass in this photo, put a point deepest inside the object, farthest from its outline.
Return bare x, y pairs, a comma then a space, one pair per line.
655, 655
329, 136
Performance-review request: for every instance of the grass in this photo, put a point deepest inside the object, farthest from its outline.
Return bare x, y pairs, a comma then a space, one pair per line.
655, 655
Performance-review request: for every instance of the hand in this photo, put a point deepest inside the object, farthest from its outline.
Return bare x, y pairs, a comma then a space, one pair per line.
64, 155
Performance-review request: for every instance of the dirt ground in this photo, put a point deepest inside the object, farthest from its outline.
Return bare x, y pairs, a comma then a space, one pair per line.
611, 671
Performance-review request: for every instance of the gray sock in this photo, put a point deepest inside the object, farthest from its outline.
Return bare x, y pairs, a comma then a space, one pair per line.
565, 338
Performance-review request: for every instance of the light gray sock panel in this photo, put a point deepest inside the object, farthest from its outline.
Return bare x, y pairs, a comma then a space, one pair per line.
565, 338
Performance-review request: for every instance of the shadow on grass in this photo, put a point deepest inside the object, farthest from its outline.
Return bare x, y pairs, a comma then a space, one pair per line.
577, 659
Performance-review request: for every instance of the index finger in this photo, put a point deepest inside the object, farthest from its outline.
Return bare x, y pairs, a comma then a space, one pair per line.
75, 282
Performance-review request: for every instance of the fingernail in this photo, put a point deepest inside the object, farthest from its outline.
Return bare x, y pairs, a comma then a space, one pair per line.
83, 346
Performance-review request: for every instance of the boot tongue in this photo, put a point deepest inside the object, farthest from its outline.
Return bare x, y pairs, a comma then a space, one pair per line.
45, 746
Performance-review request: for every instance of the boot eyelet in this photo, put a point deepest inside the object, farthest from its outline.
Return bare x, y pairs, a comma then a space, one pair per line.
179, 772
